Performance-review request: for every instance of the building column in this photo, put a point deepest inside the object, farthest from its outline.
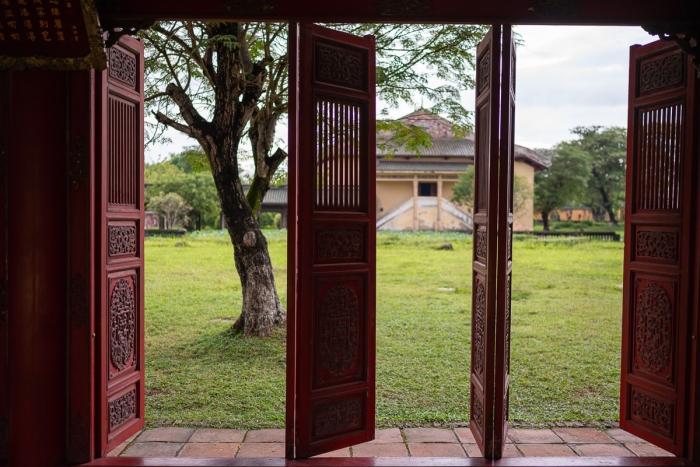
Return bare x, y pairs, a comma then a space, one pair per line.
415, 202
438, 223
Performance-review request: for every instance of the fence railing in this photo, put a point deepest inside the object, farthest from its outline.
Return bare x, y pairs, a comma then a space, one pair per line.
608, 236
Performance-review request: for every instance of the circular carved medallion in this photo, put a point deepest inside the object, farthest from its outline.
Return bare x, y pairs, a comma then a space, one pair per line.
339, 330
122, 323
653, 328
480, 304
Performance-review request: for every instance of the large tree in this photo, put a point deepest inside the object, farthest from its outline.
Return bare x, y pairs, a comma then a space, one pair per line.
221, 83
564, 182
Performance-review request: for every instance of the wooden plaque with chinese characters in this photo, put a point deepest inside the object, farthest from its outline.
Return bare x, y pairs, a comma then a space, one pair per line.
50, 34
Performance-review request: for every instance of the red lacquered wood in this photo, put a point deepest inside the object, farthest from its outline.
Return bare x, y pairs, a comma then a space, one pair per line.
397, 462
80, 273
659, 241
331, 360
493, 218
4, 376
619, 12
119, 251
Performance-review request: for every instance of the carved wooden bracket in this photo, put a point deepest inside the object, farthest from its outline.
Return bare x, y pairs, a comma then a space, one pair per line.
687, 36
130, 28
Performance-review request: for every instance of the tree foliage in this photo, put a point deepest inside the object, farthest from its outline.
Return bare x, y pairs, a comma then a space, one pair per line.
463, 191
172, 208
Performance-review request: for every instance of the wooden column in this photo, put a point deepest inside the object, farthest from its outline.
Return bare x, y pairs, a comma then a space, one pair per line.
415, 202
438, 223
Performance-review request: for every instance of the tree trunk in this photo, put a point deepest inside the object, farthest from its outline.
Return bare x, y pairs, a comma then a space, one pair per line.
545, 220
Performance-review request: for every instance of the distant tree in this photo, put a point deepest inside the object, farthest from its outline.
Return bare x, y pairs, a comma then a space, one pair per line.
463, 191
172, 207
606, 149
564, 182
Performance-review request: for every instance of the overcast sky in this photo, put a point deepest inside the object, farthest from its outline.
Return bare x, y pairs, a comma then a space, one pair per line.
566, 77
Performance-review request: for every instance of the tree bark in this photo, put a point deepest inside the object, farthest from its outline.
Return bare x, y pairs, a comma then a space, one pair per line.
545, 220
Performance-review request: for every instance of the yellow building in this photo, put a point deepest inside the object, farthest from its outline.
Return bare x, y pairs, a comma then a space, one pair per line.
414, 192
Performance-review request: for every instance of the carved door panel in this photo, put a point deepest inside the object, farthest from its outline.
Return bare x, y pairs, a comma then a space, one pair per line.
119, 235
493, 220
657, 310
331, 305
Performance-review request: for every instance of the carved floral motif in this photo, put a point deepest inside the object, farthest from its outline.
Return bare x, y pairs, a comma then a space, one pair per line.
662, 72
339, 66
481, 243
122, 66
484, 71
653, 323
122, 409
79, 311
122, 318
338, 330
122, 240
401, 7
657, 244
477, 409
337, 416
340, 244
652, 411
479, 316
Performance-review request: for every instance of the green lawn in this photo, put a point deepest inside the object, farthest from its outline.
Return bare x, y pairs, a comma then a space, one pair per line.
565, 350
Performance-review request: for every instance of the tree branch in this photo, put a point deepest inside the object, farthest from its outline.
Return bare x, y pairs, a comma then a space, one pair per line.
165, 120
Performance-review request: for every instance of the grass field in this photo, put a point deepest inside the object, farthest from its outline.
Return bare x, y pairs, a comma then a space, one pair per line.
565, 333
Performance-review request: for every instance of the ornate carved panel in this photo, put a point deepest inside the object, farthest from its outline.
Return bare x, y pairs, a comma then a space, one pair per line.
652, 411
339, 332
122, 409
79, 301
336, 417
653, 329
122, 324
123, 153
342, 243
481, 166
484, 72
657, 244
479, 329
509, 244
661, 73
477, 411
401, 7
342, 67
122, 66
122, 240
480, 239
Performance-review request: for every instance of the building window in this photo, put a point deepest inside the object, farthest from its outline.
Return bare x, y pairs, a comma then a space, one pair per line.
427, 189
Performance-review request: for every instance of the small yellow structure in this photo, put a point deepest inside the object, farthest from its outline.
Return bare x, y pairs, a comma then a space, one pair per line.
414, 191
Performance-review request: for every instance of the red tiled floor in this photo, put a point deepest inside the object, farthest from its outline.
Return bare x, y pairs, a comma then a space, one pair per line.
603, 450
269, 435
465, 435
209, 450
647, 450
217, 435
119, 449
436, 450
261, 450
621, 436
511, 451
583, 435
387, 436
429, 435
153, 450
338, 453
530, 436
379, 450
166, 434
508, 451
546, 450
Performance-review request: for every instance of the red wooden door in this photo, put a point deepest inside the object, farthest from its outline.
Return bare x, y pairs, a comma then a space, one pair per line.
119, 236
331, 299
658, 307
493, 220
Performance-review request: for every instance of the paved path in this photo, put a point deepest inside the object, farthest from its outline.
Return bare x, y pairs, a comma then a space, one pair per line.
391, 442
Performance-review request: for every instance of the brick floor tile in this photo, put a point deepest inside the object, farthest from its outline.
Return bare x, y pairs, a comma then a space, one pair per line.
546, 450
209, 450
511, 451
603, 450
387, 436
345, 452
261, 450
473, 450
436, 450
217, 435
118, 450
621, 436
429, 435
465, 435
379, 450
647, 450
583, 435
166, 434
268, 435
532, 436
153, 450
